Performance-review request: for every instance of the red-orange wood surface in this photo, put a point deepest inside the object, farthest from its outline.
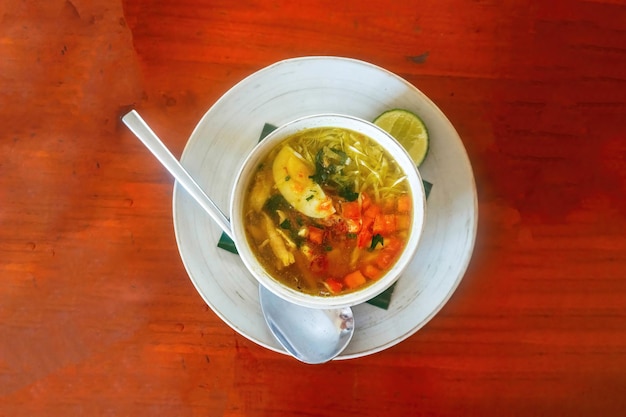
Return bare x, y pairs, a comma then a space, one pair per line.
97, 314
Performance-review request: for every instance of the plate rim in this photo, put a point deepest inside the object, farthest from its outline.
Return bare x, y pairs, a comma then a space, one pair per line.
474, 209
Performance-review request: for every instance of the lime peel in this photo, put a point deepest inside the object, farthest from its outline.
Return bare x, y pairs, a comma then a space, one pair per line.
408, 129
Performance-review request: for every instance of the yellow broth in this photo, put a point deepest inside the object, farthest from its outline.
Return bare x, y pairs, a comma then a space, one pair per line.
328, 211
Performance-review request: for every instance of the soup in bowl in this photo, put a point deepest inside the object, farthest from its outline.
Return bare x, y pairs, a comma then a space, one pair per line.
327, 211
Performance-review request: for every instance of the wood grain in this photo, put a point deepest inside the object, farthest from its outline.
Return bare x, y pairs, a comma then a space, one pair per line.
97, 315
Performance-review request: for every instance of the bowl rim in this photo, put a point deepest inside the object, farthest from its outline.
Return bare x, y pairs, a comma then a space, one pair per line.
277, 136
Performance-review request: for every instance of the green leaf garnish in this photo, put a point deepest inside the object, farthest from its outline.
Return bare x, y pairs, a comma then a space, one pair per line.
227, 244
329, 163
376, 240
348, 193
276, 202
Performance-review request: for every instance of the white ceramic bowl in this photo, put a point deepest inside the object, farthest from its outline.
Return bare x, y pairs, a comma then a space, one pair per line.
248, 169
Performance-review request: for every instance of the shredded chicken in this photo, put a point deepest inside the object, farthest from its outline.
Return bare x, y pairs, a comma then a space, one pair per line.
277, 243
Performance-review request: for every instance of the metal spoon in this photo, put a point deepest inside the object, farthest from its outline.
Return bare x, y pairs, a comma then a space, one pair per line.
310, 335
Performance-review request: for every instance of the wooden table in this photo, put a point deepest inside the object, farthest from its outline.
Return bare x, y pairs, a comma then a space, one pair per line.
97, 314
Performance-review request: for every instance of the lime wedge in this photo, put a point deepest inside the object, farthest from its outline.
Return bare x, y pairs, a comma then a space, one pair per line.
408, 129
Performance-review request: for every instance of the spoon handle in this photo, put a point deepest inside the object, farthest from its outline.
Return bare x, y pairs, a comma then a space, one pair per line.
143, 132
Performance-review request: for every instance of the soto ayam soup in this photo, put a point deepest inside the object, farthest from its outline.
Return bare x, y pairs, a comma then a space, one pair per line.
328, 211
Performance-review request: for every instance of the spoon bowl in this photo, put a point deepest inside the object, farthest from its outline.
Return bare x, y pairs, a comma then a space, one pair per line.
310, 335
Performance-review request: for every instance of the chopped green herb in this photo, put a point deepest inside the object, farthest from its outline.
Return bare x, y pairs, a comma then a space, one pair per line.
348, 193
329, 164
320, 177
276, 202
351, 235
286, 224
309, 197
328, 248
376, 240
287, 178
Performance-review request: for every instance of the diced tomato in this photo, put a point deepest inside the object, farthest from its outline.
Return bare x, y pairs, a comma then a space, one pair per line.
371, 272
372, 211
354, 279
364, 238
385, 259
365, 235
333, 285
367, 223
351, 210
393, 244
385, 224
316, 235
404, 203
389, 253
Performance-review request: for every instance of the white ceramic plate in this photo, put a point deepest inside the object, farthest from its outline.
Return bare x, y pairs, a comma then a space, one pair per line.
304, 86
